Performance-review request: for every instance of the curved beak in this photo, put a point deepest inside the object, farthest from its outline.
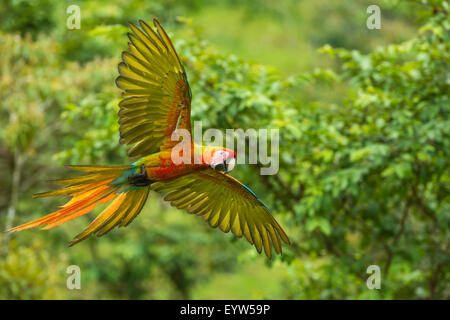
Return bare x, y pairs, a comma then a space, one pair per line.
225, 166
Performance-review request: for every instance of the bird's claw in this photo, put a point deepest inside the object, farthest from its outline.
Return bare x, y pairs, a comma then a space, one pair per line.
140, 179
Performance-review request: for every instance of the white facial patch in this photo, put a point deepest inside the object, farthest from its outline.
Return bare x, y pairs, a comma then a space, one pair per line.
230, 164
219, 157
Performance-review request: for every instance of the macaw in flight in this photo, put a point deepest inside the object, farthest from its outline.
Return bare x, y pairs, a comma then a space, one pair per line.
157, 100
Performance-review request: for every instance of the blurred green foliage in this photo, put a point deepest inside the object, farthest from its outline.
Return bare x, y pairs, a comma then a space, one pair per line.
364, 147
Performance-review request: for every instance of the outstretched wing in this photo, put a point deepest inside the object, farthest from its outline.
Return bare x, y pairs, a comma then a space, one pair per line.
157, 94
225, 202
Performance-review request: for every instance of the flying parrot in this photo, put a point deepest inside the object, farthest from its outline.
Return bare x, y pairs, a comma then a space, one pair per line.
157, 101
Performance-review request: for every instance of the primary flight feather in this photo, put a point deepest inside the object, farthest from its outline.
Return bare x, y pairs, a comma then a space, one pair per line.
157, 101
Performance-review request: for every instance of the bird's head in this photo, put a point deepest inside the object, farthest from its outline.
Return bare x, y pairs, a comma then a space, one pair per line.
219, 158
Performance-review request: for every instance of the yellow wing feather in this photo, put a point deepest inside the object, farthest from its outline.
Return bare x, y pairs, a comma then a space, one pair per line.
224, 202
157, 94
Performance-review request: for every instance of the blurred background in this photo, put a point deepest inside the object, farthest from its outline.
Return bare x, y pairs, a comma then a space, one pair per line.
364, 147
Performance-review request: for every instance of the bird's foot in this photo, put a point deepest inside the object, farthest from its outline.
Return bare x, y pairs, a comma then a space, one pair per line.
140, 179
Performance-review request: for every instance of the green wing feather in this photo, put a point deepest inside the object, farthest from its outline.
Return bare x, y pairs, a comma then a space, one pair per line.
157, 97
226, 203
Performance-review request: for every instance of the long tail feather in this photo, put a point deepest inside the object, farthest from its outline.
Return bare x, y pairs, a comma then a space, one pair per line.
100, 185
